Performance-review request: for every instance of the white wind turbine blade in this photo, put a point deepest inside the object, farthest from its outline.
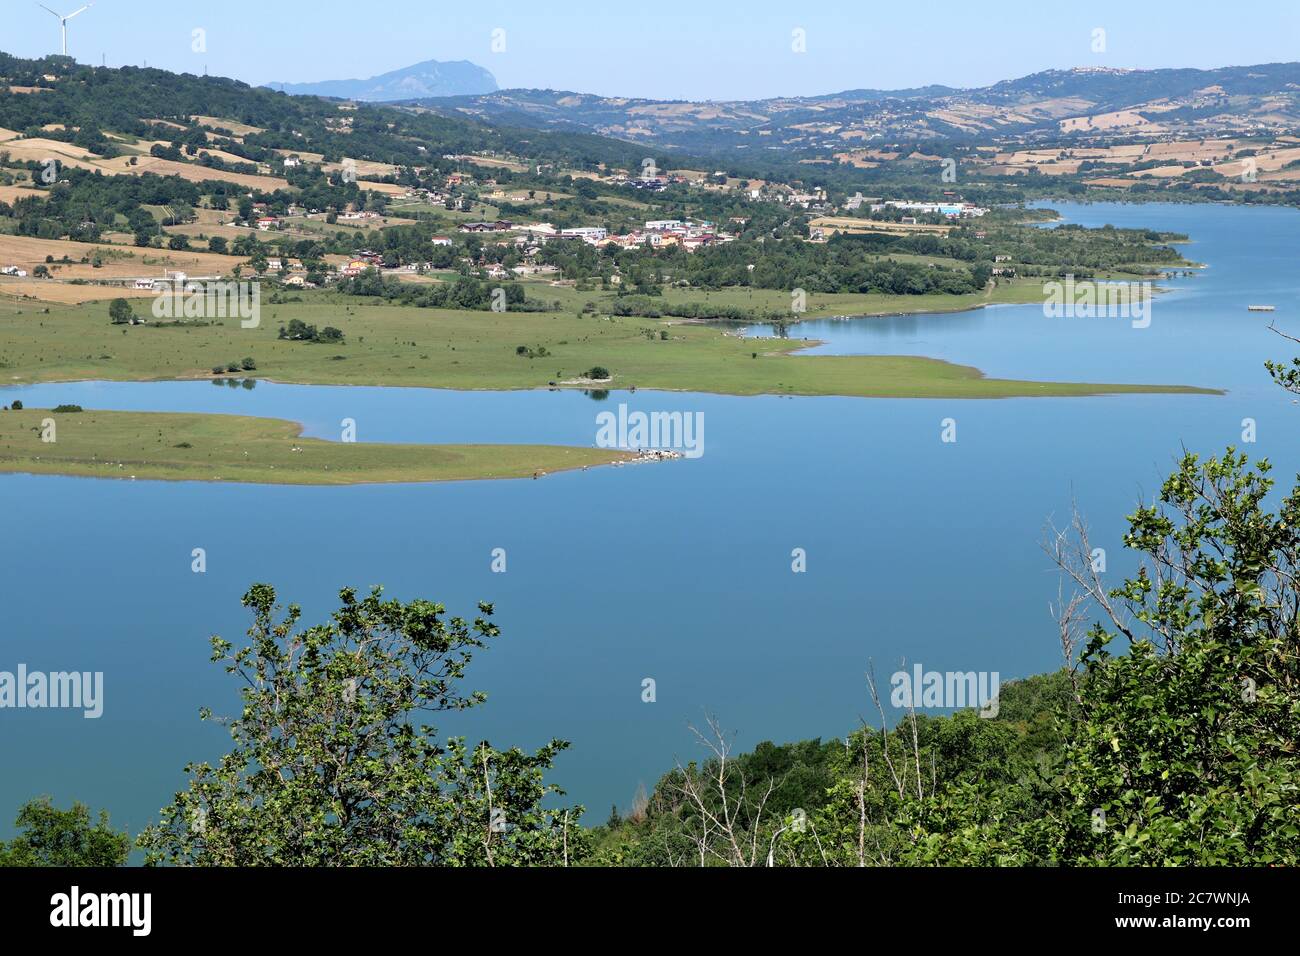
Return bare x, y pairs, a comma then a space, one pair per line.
82, 10
48, 10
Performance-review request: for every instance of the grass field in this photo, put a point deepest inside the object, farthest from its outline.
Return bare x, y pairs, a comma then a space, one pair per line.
186, 447
120, 261
825, 305
390, 345
851, 224
132, 162
44, 291
11, 194
236, 127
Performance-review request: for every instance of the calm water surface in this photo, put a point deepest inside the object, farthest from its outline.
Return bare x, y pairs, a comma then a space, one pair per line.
680, 571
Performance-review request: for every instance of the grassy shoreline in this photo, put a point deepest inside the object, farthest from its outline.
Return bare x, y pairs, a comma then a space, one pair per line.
390, 345
171, 446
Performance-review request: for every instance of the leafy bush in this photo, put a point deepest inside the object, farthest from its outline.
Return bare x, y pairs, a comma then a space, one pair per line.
120, 312
340, 710
51, 837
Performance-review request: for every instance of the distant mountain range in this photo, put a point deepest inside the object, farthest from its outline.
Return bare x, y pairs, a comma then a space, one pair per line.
1081, 103
430, 78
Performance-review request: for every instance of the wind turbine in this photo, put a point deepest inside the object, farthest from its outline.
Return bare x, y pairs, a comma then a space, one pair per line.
63, 21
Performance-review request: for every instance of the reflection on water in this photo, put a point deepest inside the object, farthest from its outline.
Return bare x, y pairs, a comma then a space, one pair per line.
248, 384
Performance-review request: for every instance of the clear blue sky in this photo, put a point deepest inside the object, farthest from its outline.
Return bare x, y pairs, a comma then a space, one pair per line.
703, 49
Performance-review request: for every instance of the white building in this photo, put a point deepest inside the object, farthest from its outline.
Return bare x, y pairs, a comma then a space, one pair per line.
585, 233
952, 210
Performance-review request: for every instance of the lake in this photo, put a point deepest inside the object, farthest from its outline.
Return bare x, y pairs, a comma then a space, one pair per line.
917, 550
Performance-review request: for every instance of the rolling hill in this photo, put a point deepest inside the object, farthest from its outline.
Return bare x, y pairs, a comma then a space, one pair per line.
1082, 103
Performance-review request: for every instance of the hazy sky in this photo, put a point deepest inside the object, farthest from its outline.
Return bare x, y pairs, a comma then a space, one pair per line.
702, 49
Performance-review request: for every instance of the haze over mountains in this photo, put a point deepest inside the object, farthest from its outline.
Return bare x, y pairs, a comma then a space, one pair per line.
430, 78
1081, 102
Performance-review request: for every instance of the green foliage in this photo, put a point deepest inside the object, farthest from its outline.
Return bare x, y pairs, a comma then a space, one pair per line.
855, 802
1179, 751
120, 312
1188, 741
332, 765
300, 331
464, 293
53, 837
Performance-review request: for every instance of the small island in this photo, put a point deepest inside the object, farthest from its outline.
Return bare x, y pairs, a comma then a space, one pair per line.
165, 446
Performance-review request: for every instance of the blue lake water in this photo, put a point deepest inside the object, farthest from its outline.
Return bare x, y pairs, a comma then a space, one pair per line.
1200, 332
678, 571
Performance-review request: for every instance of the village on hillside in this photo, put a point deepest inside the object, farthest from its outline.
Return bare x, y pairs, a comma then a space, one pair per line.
257, 225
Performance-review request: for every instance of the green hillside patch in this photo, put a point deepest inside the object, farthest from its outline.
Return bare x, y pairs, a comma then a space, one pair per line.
192, 447
440, 348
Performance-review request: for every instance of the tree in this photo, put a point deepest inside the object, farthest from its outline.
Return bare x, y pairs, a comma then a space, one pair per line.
1179, 751
332, 765
120, 312
217, 244
53, 837
1185, 751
